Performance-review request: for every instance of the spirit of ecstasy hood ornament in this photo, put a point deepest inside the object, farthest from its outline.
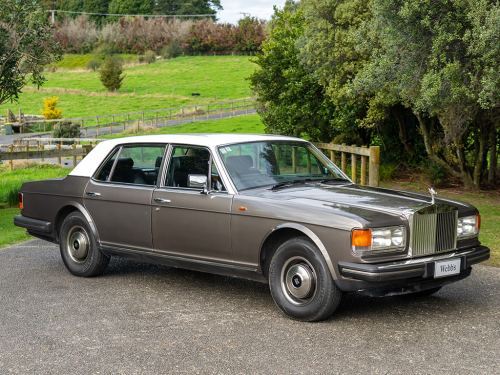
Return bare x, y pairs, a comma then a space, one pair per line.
432, 192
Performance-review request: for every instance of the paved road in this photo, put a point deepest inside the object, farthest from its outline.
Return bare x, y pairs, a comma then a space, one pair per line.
146, 319
8, 139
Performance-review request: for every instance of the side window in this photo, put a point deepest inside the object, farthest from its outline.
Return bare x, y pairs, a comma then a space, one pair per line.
105, 170
138, 165
186, 160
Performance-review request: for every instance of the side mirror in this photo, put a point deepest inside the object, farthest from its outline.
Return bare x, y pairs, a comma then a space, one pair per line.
198, 181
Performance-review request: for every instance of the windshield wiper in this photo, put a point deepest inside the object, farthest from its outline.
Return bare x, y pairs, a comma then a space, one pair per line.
327, 180
289, 183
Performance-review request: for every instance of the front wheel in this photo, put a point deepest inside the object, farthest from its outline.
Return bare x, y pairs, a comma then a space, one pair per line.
301, 283
78, 246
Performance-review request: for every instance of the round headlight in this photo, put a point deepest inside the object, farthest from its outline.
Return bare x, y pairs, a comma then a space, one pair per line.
397, 237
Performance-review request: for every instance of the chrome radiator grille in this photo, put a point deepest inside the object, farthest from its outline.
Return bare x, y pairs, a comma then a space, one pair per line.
434, 233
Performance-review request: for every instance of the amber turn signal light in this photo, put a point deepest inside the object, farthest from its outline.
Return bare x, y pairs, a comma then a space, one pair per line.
21, 201
478, 222
361, 237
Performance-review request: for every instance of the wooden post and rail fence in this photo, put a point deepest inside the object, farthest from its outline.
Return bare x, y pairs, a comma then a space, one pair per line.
369, 156
199, 111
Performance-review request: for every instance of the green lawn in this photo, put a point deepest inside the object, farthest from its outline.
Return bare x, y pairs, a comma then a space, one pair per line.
13, 180
10, 234
164, 84
242, 124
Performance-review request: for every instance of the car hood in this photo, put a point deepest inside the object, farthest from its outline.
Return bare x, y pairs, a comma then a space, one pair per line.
361, 197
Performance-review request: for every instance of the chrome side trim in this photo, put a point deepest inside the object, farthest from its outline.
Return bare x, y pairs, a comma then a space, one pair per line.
173, 257
311, 235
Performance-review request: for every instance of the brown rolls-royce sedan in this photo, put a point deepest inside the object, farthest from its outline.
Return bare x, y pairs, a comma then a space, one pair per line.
261, 207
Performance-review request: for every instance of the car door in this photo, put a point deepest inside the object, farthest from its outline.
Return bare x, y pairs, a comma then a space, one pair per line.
188, 222
119, 196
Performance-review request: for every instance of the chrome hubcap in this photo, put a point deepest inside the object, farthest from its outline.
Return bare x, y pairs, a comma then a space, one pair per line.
78, 244
298, 281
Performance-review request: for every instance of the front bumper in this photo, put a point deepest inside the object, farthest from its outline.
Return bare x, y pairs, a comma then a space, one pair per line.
406, 276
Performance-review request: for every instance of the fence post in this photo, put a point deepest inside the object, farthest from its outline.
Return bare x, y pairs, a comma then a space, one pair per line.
74, 157
374, 165
294, 159
44, 127
343, 161
156, 120
208, 111
42, 147
137, 125
332, 154
363, 168
354, 176
10, 161
59, 158
97, 118
20, 122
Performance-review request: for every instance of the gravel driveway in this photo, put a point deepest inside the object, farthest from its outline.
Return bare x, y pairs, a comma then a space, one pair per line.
146, 319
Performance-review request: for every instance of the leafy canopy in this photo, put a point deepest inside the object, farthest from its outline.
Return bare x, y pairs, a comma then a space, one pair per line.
26, 44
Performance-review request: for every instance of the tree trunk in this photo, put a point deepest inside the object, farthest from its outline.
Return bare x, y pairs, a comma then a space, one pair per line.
493, 156
403, 135
430, 151
480, 154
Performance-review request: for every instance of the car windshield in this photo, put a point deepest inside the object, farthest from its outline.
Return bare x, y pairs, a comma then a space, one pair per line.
278, 164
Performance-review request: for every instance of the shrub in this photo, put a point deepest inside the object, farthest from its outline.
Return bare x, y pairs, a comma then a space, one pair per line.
172, 50
66, 129
93, 64
388, 171
111, 74
140, 58
150, 57
51, 112
12, 197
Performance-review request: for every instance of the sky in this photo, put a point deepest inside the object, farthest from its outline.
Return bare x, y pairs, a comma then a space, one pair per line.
262, 9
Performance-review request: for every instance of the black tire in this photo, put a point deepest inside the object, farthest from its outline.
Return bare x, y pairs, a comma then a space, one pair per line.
301, 283
425, 293
79, 250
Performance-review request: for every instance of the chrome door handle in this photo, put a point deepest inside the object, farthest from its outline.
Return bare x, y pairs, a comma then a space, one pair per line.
161, 200
93, 194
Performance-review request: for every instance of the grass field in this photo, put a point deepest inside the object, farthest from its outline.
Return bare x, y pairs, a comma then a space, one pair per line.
10, 234
241, 124
164, 84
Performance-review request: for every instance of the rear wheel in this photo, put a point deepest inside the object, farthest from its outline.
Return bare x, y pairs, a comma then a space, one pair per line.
301, 283
78, 246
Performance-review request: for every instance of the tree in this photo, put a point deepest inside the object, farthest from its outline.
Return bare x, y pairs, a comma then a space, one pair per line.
96, 6
292, 101
180, 7
131, 7
441, 59
26, 44
111, 74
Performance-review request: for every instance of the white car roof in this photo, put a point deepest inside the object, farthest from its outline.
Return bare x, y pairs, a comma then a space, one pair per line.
89, 164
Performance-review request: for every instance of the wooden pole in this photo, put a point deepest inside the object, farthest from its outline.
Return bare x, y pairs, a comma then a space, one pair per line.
363, 168
74, 157
156, 120
59, 158
373, 173
354, 176
97, 126
20, 122
308, 162
332, 154
343, 161
42, 147
294, 159
10, 161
